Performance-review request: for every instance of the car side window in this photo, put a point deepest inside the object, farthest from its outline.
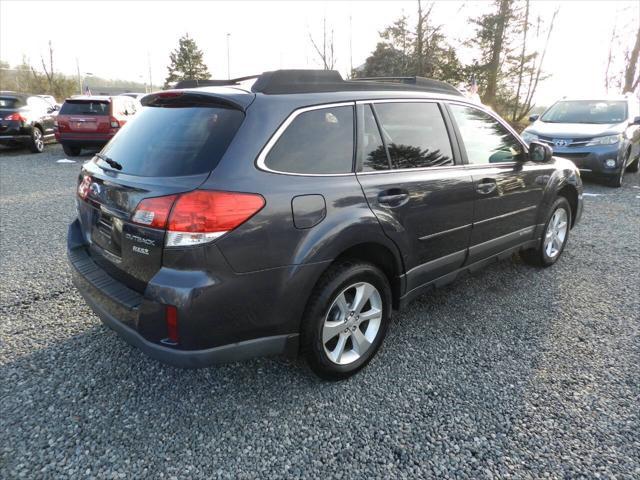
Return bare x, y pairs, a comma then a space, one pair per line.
316, 142
484, 138
37, 104
415, 134
371, 152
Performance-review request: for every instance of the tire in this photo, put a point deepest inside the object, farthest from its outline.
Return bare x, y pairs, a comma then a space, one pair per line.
36, 142
544, 255
329, 340
616, 180
633, 167
71, 151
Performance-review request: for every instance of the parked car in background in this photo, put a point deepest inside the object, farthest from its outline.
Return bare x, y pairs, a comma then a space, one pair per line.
601, 136
91, 121
294, 214
25, 120
51, 100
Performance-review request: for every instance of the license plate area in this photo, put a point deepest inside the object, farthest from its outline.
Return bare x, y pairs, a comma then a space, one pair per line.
107, 232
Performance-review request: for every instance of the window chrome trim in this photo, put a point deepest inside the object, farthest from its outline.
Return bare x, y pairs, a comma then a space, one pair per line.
262, 156
398, 100
420, 169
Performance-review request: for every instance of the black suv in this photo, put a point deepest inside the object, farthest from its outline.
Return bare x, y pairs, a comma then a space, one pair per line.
293, 211
26, 120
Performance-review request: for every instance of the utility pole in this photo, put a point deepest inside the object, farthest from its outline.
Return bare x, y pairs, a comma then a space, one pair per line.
79, 80
149, 62
228, 58
350, 48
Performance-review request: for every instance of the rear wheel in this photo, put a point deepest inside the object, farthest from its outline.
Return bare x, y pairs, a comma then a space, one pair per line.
71, 151
554, 238
346, 319
36, 142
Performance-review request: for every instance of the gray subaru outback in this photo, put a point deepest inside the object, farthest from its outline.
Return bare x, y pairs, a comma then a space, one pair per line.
294, 211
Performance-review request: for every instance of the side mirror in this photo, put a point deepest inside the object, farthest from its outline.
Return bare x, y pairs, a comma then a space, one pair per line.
636, 121
539, 152
533, 118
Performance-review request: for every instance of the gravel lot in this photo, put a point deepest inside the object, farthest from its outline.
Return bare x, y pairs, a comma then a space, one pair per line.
511, 372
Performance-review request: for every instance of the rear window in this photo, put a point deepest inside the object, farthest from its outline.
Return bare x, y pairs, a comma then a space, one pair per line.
168, 142
316, 142
85, 108
11, 102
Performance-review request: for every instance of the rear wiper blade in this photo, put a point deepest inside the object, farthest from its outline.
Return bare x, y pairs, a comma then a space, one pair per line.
110, 161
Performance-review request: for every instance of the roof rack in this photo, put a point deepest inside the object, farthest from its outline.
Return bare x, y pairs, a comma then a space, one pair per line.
212, 83
314, 81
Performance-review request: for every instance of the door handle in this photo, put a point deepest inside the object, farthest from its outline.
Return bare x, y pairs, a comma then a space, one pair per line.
394, 197
486, 186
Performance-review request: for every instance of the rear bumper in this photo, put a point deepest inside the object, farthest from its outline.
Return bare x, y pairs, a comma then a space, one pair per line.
84, 139
14, 133
236, 317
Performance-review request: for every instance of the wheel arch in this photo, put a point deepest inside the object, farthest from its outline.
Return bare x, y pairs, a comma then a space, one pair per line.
570, 192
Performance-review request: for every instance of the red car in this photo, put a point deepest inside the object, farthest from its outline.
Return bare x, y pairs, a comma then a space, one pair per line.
91, 121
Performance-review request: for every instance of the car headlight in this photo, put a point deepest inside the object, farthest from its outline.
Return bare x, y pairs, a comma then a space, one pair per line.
529, 137
607, 140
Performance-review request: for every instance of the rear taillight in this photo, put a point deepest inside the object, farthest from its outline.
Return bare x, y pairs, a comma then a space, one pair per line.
84, 186
16, 117
153, 212
114, 123
199, 216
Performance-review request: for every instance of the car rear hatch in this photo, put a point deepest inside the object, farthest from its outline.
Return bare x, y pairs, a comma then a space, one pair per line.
85, 116
10, 108
170, 147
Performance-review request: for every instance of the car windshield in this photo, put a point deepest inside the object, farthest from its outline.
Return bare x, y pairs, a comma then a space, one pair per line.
167, 142
586, 111
85, 107
10, 102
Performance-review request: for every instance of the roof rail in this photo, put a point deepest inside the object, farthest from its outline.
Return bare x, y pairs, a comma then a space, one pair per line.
426, 83
211, 82
314, 81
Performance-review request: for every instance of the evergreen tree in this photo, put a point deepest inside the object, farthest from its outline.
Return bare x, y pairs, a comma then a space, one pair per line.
186, 63
422, 51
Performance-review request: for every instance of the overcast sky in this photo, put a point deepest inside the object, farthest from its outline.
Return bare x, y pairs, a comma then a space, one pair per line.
116, 39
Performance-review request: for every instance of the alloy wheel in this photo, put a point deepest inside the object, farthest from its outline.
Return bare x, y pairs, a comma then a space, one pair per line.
352, 323
37, 140
556, 233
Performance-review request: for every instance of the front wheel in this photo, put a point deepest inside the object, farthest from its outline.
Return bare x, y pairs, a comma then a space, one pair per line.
346, 319
633, 167
554, 238
36, 142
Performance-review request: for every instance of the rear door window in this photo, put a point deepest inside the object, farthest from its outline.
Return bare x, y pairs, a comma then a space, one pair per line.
372, 154
316, 142
85, 107
170, 141
415, 134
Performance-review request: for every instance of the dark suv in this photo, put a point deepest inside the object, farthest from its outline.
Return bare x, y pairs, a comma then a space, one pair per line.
26, 120
295, 212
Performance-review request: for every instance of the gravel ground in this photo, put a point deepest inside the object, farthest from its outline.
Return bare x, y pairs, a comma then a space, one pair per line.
511, 372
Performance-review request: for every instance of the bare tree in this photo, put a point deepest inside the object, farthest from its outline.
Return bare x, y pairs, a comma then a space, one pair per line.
536, 73
523, 55
49, 72
610, 58
326, 54
631, 78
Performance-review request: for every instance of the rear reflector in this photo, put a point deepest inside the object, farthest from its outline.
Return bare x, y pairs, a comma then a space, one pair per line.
199, 216
171, 317
114, 123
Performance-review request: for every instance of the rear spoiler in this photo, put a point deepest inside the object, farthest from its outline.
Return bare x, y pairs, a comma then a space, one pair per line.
181, 98
211, 82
